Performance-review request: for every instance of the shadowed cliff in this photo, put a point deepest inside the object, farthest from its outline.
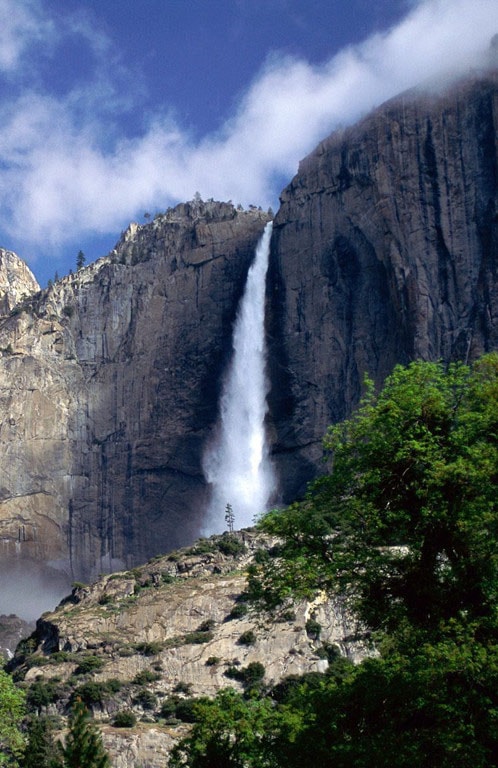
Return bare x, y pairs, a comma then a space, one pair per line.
385, 250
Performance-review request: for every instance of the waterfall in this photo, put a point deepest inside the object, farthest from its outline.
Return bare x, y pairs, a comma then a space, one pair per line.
237, 463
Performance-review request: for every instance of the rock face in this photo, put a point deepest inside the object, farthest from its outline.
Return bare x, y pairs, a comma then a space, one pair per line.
16, 281
173, 628
109, 384
385, 250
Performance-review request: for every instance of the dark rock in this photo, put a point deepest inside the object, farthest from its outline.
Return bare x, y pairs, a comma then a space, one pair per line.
384, 251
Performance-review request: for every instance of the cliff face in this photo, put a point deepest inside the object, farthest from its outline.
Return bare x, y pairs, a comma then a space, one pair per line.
109, 388
385, 250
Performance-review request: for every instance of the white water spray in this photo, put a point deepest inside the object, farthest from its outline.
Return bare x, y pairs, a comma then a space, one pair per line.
237, 463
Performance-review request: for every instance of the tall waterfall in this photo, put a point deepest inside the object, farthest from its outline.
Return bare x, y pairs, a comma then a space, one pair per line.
237, 463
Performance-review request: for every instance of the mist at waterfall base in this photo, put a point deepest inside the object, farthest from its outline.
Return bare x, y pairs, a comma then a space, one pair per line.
237, 464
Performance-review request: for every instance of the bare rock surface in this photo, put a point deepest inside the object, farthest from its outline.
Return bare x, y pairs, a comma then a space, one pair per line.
177, 627
109, 384
385, 250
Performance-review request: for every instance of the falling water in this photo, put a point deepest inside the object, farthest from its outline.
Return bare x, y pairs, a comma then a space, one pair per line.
237, 464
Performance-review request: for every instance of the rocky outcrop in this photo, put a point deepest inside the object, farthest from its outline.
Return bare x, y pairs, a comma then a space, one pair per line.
12, 631
109, 384
385, 250
175, 629
16, 281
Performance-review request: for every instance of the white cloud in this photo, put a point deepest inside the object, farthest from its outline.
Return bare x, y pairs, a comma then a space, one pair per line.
62, 175
21, 24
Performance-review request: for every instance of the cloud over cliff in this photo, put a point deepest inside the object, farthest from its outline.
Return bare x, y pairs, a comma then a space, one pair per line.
67, 169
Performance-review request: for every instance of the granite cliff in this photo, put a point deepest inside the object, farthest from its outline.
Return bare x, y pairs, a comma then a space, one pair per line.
109, 384
385, 250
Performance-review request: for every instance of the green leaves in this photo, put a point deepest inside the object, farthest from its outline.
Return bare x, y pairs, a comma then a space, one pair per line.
406, 520
11, 713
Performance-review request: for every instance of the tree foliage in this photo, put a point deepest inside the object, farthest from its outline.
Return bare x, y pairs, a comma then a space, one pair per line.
405, 525
11, 713
406, 520
83, 746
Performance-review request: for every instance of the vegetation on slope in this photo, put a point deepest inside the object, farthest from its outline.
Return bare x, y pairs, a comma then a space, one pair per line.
405, 525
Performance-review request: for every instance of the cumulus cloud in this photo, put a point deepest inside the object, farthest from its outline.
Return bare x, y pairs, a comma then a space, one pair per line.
65, 170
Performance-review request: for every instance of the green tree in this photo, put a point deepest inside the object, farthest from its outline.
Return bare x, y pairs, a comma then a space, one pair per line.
228, 732
406, 521
40, 749
11, 713
406, 525
229, 517
83, 745
80, 260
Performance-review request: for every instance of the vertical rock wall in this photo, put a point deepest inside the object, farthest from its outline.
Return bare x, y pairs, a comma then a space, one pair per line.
385, 250
109, 386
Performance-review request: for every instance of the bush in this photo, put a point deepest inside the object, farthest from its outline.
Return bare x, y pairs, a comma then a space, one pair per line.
89, 664
149, 649
229, 545
197, 638
238, 611
146, 676
124, 719
313, 629
213, 661
247, 638
146, 699
248, 676
206, 626
182, 687
185, 710
91, 693
41, 693
168, 707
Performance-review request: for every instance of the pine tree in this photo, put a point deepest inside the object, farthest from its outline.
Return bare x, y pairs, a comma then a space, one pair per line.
80, 260
229, 517
84, 747
40, 752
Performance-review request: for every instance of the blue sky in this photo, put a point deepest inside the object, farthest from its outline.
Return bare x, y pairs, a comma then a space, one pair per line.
114, 108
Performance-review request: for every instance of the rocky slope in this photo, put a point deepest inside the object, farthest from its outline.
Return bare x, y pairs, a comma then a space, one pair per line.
385, 250
149, 640
109, 384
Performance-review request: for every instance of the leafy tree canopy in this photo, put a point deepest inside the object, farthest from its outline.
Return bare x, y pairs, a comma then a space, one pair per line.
11, 713
406, 521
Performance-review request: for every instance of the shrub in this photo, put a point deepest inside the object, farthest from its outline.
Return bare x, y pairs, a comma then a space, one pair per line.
149, 649
196, 638
168, 707
213, 661
238, 611
91, 693
248, 676
185, 710
253, 673
89, 664
247, 638
206, 626
146, 699
182, 687
313, 629
124, 719
229, 545
41, 693
145, 676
